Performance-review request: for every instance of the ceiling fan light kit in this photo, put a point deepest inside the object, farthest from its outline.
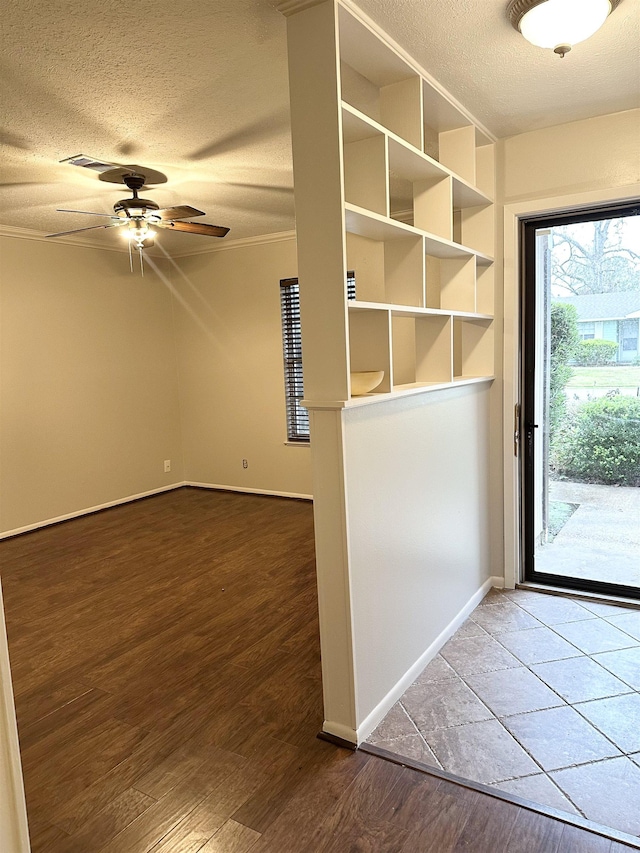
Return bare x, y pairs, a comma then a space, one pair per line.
559, 24
139, 216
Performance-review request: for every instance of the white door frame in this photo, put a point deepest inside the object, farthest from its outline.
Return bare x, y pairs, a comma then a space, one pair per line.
513, 213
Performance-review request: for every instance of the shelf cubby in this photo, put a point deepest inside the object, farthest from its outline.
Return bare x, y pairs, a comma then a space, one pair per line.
422, 350
411, 174
400, 199
400, 109
378, 82
369, 224
356, 125
365, 174
451, 283
457, 151
387, 271
474, 227
466, 195
485, 290
472, 347
410, 163
433, 206
370, 343
439, 116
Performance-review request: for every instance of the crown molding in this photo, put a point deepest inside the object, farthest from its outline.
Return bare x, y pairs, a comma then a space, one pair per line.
240, 243
41, 237
290, 7
87, 243
25, 233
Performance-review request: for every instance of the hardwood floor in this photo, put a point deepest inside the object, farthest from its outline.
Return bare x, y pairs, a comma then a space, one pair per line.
165, 659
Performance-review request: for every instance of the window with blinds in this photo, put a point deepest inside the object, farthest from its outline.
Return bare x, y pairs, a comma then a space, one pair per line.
297, 415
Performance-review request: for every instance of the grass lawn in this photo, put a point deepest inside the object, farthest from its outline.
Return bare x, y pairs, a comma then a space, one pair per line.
605, 377
559, 514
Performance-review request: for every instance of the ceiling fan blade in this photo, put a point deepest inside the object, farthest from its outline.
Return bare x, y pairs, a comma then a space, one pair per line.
183, 211
77, 230
86, 213
196, 228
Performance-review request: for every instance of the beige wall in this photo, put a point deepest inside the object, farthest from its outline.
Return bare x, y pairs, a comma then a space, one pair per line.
89, 396
229, 344
597, 153
91, 401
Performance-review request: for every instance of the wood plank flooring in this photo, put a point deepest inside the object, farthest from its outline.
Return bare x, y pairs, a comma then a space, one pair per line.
166, 666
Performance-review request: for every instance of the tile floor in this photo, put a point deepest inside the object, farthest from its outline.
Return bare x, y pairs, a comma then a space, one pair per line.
537, 695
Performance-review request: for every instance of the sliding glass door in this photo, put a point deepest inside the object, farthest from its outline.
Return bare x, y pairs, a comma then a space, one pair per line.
580, 418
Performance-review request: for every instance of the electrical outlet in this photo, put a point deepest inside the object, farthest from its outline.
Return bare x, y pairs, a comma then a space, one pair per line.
245, 463
167, 466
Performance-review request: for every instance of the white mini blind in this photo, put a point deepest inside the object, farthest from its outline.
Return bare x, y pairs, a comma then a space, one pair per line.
297, 415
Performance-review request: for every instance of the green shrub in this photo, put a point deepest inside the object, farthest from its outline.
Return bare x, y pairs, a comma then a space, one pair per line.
602, 444
564, 342
596, 353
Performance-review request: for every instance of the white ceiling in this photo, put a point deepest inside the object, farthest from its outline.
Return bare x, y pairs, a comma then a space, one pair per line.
198, 90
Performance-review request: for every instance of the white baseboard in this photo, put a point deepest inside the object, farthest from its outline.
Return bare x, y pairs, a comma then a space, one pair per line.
382, 709
272, 492
340, 731
129, 498
78, 513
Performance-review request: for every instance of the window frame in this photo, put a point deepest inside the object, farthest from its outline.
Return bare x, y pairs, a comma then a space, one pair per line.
587, 334
297, 417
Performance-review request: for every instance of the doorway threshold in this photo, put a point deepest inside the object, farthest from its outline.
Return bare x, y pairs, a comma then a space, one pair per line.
584, 595
548, 811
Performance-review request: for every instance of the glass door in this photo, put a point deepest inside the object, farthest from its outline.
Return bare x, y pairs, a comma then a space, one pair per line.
580, 419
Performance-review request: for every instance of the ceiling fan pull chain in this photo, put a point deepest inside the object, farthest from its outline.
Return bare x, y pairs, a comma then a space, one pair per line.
130, 258
141, 262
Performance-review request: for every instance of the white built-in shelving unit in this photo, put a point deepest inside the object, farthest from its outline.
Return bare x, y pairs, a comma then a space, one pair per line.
393, 180
403, 183
419, 221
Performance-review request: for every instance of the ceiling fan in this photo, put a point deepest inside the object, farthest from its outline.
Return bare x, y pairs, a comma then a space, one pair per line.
139, 217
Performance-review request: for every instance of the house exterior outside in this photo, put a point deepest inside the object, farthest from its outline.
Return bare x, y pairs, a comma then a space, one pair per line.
610, 317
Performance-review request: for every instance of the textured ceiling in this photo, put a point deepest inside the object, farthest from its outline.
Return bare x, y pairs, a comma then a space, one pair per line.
470, 47
198, 90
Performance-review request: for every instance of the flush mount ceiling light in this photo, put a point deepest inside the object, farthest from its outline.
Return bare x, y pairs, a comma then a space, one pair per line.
559, 24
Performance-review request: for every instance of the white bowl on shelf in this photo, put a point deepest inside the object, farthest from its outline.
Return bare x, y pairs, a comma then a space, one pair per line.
363, 381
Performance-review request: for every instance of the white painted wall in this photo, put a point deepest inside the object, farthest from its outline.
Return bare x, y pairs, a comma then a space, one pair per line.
229, 345
88, 383
418, 503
